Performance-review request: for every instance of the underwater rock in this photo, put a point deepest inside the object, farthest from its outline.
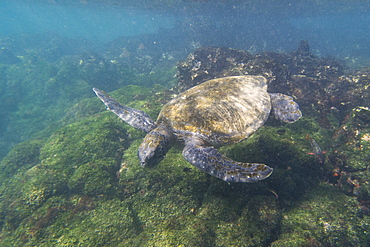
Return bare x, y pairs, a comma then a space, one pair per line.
324, 217
145, 53
318, 84
92, 179
304, 48
81, 176
211, 62
7, 57
85, 185
99, 71
207, 63
48, 46
351, 156
23, 155
82, 156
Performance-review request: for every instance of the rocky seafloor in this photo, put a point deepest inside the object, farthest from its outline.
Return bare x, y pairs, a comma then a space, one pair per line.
81, 184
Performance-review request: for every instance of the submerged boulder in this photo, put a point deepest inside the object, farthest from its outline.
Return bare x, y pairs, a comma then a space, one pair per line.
84, 185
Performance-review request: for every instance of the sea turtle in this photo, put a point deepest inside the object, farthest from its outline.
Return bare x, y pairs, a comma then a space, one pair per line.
217, 112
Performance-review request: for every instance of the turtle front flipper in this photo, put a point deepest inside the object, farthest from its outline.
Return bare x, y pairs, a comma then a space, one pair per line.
285, 108
136, 118
208, 159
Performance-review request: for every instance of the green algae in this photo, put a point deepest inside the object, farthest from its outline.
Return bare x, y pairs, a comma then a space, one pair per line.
67, 158
92, 179
324, 217
76, 221
352, 142
36, 93
287, 153
354, 133
178, 205
84, 186
24, 155
34, 99
105, 223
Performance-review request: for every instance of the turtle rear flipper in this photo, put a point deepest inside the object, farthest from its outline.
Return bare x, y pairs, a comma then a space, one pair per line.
208, 159
136, 118
285, 108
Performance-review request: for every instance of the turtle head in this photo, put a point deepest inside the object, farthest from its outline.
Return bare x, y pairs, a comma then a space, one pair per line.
155, 146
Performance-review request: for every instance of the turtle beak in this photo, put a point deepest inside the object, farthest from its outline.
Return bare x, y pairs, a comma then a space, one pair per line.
149, 155
149, 158
154, 147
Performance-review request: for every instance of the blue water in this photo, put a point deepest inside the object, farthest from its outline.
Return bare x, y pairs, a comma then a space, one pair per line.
331, 28
100, 23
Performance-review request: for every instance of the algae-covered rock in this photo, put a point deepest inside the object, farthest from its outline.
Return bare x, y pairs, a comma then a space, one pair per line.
352, 154
81, 184
24, 155
177, 204
76, 221
256, 226
84, 155
352, 139
92, 179
84, 186
324, 217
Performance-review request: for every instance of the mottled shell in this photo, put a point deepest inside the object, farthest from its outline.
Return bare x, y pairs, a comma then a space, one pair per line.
220, 111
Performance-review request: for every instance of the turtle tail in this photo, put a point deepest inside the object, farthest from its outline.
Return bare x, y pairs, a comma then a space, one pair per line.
208, 159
